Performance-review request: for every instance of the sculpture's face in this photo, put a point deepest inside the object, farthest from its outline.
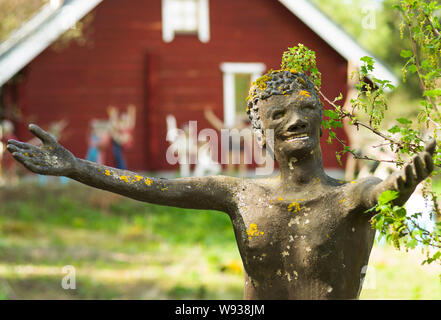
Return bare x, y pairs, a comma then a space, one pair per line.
296, 121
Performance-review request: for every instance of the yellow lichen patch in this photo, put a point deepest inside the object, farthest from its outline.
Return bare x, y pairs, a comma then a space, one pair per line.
164, 189
107, 173
138, 178
294, 206
304, 93
352, 182
148, 181
124, 178
343, 200
253, 231
316, 180
293, 71
27, 154
280, 198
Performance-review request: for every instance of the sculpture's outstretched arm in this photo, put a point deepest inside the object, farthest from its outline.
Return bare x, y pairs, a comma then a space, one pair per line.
405, 180
214, 193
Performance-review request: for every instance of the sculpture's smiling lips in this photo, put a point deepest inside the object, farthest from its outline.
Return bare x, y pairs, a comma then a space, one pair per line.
296, 137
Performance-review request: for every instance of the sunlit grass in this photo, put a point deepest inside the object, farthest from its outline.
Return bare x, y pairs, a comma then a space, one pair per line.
124, 249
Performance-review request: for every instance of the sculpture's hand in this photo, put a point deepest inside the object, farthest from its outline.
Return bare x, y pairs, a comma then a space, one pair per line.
406, 180
50, 158
417, 169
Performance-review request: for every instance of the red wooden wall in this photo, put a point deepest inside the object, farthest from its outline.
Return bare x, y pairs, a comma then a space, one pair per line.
128, 63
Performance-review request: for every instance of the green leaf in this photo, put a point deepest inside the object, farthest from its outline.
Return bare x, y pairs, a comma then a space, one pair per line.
425, 64
367, 59
412, 68
387, 196
404, 121
400, 212
412, 243
394, 129
326, 124
336, 124
331, 114
432, 93
406, 53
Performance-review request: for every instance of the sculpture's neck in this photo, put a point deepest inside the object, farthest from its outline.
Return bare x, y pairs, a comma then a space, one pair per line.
299, 171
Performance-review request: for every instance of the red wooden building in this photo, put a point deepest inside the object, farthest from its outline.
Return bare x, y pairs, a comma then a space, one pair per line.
165, 57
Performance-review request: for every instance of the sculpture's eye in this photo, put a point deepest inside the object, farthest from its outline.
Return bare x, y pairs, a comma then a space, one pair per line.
308, 107
278, 115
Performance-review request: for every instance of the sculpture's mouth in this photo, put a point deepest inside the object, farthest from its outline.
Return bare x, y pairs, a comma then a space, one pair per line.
296, 137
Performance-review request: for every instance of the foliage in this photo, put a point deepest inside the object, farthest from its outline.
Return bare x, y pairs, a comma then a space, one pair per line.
301, 58
374, 24
420, 47
79, 34
14, 13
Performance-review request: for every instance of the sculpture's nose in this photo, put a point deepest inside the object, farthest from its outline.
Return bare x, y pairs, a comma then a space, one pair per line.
297, 125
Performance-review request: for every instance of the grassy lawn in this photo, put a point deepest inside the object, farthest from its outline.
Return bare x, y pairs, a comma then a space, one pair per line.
125, 249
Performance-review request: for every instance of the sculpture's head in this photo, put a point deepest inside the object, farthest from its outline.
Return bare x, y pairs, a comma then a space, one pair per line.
286, 102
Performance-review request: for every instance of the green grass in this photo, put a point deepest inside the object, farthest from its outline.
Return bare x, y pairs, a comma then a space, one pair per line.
125, 249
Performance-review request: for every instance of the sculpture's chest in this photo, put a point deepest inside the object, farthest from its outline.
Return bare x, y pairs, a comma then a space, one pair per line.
272, 221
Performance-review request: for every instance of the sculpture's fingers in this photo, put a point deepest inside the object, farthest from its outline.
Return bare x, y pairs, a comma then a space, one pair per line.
11, 148
420, 171
409, 175
25, 149
430, 146
44, 136
19, 144
27, 162
399, 183
428, 162
20, 157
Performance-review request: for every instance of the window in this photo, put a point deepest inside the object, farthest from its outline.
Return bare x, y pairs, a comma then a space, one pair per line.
185, 17
237, 78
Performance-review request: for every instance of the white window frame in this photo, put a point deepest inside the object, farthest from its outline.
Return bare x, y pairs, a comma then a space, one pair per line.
203, 30
230, 69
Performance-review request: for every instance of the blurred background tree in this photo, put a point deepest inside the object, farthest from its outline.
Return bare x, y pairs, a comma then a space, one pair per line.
14, 12
382, 38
